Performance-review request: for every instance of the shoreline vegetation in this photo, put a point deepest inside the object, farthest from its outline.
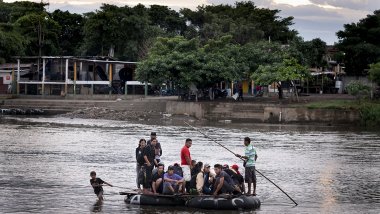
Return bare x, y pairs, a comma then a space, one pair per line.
369, 110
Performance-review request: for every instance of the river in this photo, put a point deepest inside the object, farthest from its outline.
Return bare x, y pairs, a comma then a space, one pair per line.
46, 162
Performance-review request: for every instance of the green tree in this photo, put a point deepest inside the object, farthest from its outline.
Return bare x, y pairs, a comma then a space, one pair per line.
314, 52
360, 43
287, 70
126, 30
11, 12
187, 62
244, 21
374, 72
262, 53
40, 32
70, 35
171, 59
11, 43
358, 89
170, 21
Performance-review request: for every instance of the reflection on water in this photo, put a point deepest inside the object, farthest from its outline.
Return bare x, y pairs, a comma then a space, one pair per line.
46, 164
97, 207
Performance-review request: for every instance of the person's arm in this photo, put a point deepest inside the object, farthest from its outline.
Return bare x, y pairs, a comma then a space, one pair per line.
200, 183
255, 157
168, 179
146, 160
240, 156
180, 179
160, 149
220, 185
108, 184
155, 162
146, 151
188, 160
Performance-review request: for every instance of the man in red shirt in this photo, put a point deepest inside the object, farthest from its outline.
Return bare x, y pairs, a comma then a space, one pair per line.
186, 160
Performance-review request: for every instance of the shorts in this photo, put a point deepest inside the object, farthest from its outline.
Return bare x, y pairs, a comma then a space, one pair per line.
98, 192
166, 189
186, 172
250, 174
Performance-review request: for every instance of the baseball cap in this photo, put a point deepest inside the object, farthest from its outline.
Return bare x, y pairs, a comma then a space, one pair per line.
207, 165
235, 167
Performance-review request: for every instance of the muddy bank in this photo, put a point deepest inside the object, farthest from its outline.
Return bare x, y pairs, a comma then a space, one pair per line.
110, 114
132, 116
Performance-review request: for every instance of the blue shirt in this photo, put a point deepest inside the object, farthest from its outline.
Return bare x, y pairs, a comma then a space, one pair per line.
173, 177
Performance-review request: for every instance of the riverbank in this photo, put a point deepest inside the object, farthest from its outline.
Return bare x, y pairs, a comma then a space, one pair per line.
252, 110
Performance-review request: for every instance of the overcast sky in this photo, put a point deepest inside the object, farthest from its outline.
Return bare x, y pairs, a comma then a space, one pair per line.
312, 18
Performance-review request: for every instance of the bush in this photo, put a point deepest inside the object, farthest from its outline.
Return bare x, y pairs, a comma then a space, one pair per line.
358, 89
370, 115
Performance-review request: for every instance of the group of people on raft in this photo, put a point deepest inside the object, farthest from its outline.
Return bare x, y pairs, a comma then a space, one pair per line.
190, 176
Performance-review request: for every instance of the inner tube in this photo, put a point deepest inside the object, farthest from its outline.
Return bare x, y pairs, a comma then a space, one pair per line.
154, 200
208, 202
220, 203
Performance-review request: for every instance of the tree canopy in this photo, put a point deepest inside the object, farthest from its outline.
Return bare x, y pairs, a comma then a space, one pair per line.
130, 32
244, 21
187, 62
360, 43
374, 72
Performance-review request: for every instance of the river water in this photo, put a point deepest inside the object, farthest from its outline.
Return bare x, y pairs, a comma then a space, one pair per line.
45, 164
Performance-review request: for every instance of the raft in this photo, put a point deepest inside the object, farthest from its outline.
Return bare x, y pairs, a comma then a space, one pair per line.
222, 203
153, 200
209, 202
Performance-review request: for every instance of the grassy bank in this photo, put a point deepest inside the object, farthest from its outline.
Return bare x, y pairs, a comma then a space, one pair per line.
334, 104
369, 110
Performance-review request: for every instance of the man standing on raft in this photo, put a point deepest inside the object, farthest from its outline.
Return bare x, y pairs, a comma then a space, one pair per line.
250, 160
186, 162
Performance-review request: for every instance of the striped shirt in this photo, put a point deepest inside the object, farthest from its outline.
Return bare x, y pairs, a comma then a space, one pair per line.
250, 152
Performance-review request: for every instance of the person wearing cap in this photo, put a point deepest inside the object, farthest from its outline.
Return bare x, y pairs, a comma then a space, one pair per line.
186, 162
233, 174
250, 161
238, 178
173, 183
157, 148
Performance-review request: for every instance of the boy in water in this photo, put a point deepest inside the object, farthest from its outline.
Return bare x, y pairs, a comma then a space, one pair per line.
97, 184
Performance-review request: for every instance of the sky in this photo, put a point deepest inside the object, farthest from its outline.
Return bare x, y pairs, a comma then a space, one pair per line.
312, 18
